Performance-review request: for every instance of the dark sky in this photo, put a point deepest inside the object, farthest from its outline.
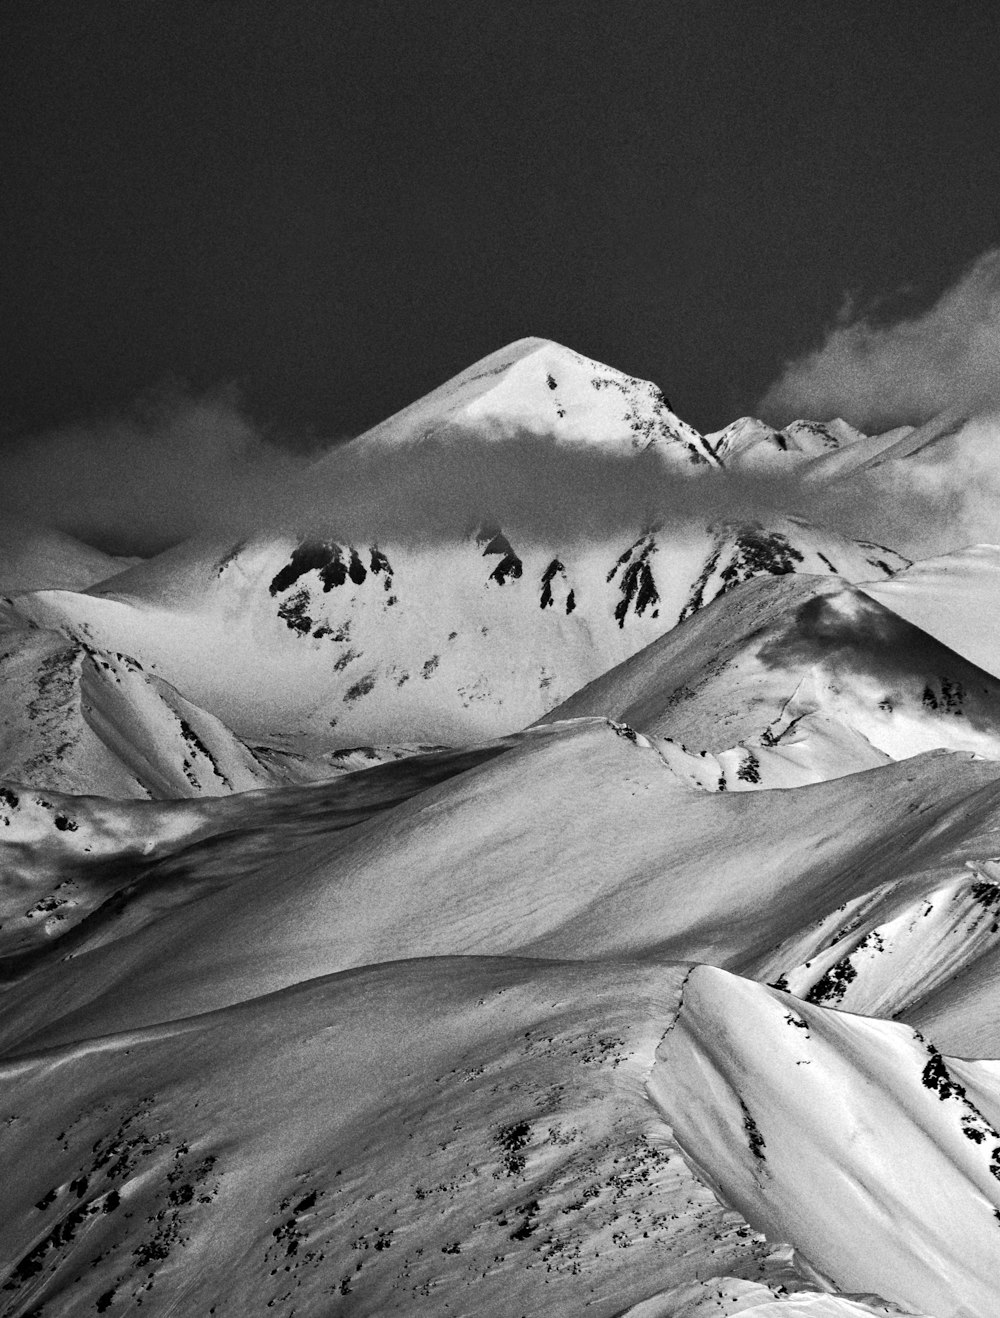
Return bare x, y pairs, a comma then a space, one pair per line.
340, 204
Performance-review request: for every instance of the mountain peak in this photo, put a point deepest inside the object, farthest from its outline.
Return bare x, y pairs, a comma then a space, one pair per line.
537, 387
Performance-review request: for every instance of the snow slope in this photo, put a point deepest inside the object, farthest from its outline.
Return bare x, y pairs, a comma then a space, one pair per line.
459, 1135
954, 597
939, 440
65, 857
472, 1129
79, 719
561, 1018
313, 646
855, 1139
576, 842
465, 1132
794, 679
749, 443
34, 557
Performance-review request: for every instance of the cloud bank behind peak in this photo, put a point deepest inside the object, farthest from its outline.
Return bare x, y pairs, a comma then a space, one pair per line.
178, 464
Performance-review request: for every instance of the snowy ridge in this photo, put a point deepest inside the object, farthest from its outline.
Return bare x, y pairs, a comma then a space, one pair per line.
954, 598
750, 442
546, 1057
892, 955
793, 679
80, 719
759, 1086
74, 861
477, 1134
172, 747
486, 873
39, 558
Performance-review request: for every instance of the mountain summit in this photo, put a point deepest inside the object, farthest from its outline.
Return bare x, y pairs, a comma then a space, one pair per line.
535, 386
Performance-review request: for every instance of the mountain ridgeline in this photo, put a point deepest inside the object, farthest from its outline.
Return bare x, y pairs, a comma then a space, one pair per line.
595, 914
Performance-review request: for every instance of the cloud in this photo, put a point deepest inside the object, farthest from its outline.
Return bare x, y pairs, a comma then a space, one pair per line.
881, 375
456, 481
944, 494
172, 464
178, 464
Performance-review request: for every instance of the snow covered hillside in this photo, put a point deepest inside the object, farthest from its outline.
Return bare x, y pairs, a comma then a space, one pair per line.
33, 557
594, 917
79, 719
955, 598
316, 646
794, 679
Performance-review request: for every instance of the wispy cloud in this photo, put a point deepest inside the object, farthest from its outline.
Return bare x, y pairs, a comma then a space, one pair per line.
172, 464
183, 464
880, 375
186, 465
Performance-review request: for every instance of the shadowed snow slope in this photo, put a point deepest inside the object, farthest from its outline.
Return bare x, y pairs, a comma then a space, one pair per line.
579, 843
795, 679
65, 857
853, 1138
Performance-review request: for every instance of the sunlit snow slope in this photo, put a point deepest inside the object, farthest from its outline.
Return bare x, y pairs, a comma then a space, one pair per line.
795, 679
79, 719
539, 387
854, 1138
314, 646
33, 557
955, 598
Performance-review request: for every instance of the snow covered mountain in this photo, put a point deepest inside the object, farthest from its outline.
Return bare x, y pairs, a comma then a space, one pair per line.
792, 680
751, 1116
541, 388
80, 719
315, 646
312, 646
34, 557
561, 922
478, 1113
